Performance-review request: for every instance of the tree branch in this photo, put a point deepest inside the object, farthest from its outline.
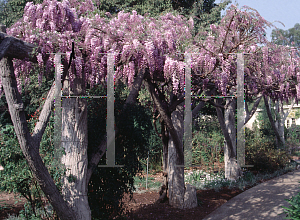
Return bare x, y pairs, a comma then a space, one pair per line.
201, 104
216, 104
289, 110
154, 124
167, 120
44, 116
224, 130
253, 110
272, 120
178, 101
12, 47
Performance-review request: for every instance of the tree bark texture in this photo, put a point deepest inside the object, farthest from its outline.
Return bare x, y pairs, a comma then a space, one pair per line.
232, 168
30, 144
75, 142
12, 47
180, 196
279, 136
279, 124
165, 140
281, 116
176, 174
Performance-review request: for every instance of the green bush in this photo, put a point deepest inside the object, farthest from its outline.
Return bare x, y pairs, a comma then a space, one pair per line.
262, 153
293, 136
207, 142
107, 185
17, 177
293, 211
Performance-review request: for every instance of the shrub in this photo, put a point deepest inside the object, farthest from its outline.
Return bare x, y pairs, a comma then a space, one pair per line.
262, 153
207, 142
293, 211
108, 185
293, 136
17, 177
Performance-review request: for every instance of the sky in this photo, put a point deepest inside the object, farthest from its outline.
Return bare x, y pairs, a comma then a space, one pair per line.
286, 11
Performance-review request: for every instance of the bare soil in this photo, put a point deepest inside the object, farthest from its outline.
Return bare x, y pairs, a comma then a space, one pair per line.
8, 206
143, 205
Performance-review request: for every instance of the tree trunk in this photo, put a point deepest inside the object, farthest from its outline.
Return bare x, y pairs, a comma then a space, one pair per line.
165, 140
75, 143
232, 168
176, 174
279, 124
279, 129
30, 144
180, 196
12, 47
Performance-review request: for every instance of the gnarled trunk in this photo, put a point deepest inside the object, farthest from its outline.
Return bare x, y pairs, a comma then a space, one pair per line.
30, 144
232, 168
180, 196
75, 142
279, 128
176, 174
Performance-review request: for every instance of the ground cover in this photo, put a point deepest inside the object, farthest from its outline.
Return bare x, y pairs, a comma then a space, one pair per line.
211, 195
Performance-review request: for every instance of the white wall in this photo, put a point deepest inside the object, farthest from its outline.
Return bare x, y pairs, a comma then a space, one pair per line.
288, 119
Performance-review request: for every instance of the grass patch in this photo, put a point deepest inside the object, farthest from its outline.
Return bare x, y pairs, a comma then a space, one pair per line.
140, 182
202, 180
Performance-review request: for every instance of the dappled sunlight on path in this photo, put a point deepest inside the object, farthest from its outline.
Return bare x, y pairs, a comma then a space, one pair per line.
263, 201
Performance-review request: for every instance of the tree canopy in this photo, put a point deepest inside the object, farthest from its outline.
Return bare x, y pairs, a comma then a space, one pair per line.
289, 37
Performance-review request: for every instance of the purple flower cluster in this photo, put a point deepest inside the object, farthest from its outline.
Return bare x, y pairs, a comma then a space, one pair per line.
143, 43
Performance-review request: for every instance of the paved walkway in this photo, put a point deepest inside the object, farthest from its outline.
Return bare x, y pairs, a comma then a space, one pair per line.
263, 201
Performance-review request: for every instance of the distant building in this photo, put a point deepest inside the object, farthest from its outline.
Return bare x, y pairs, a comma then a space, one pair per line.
288, 122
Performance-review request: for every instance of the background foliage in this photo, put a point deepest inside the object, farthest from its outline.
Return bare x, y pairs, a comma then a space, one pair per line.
16, 176
108, 185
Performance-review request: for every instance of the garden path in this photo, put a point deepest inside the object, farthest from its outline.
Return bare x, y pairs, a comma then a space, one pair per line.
263, 201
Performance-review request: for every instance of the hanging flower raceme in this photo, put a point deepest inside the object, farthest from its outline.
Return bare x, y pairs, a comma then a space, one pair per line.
141, 42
